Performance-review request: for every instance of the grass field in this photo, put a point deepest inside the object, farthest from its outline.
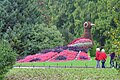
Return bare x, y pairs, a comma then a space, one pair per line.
90, 63
63, 74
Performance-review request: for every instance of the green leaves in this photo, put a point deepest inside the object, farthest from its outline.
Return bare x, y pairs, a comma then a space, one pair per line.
7, 58
19, 17
63, 74
30, 39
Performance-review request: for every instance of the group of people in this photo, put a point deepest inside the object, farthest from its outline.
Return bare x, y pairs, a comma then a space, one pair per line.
100, 57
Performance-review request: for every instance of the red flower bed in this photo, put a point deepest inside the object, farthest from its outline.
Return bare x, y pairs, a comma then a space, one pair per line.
38, 57
83, 56
64, 56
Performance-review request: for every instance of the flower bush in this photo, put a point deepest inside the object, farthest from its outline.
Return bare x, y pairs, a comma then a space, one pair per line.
38, 57
83, 56
61, 53
69, 55
61, 57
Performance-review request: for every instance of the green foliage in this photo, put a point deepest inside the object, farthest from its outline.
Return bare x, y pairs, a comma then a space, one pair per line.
67, 15
7, 58
21, 11
14, 12
108, 13
30, 39
17, 17
113, 43
63, 74
67, 35
93, 51
62, 17
71, 14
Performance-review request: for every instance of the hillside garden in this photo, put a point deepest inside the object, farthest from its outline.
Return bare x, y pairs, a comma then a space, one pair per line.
29, 27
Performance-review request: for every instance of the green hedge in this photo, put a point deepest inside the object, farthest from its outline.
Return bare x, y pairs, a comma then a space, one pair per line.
7, 58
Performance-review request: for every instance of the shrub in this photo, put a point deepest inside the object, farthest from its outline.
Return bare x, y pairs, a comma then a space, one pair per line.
31, 39
7, 58
117, 59
14, 14
93, 51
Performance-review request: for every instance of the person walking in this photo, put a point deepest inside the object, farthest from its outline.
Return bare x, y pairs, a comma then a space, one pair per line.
103, 58
112, 57
97, 57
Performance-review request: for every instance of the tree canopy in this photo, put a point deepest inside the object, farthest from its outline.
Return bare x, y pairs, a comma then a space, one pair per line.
67, 15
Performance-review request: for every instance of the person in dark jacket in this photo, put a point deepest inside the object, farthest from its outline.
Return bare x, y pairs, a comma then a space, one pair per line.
103, 58
112, 57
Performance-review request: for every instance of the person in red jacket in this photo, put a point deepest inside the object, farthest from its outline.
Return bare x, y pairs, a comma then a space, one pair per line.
97, 57
103, 58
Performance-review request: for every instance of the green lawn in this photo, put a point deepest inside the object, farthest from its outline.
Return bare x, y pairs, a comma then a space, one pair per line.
63, 74
90, 63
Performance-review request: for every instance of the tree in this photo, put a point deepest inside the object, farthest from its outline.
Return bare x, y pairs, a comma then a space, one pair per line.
62, 17
108, 14
105, 21
71, 14
16, 16
113, 44
13, 12
19, 11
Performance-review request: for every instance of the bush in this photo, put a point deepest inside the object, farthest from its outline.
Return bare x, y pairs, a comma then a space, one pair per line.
31, 39
7, 58
117, 59
93, 51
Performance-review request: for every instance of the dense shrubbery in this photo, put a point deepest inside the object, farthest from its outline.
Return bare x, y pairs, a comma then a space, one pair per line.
21, 11
18, 17
29, 39
93, 51
7, 58
68, 18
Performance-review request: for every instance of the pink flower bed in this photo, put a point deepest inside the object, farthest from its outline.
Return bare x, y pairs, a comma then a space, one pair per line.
65, 55
83, 56
69, 55
38, 57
